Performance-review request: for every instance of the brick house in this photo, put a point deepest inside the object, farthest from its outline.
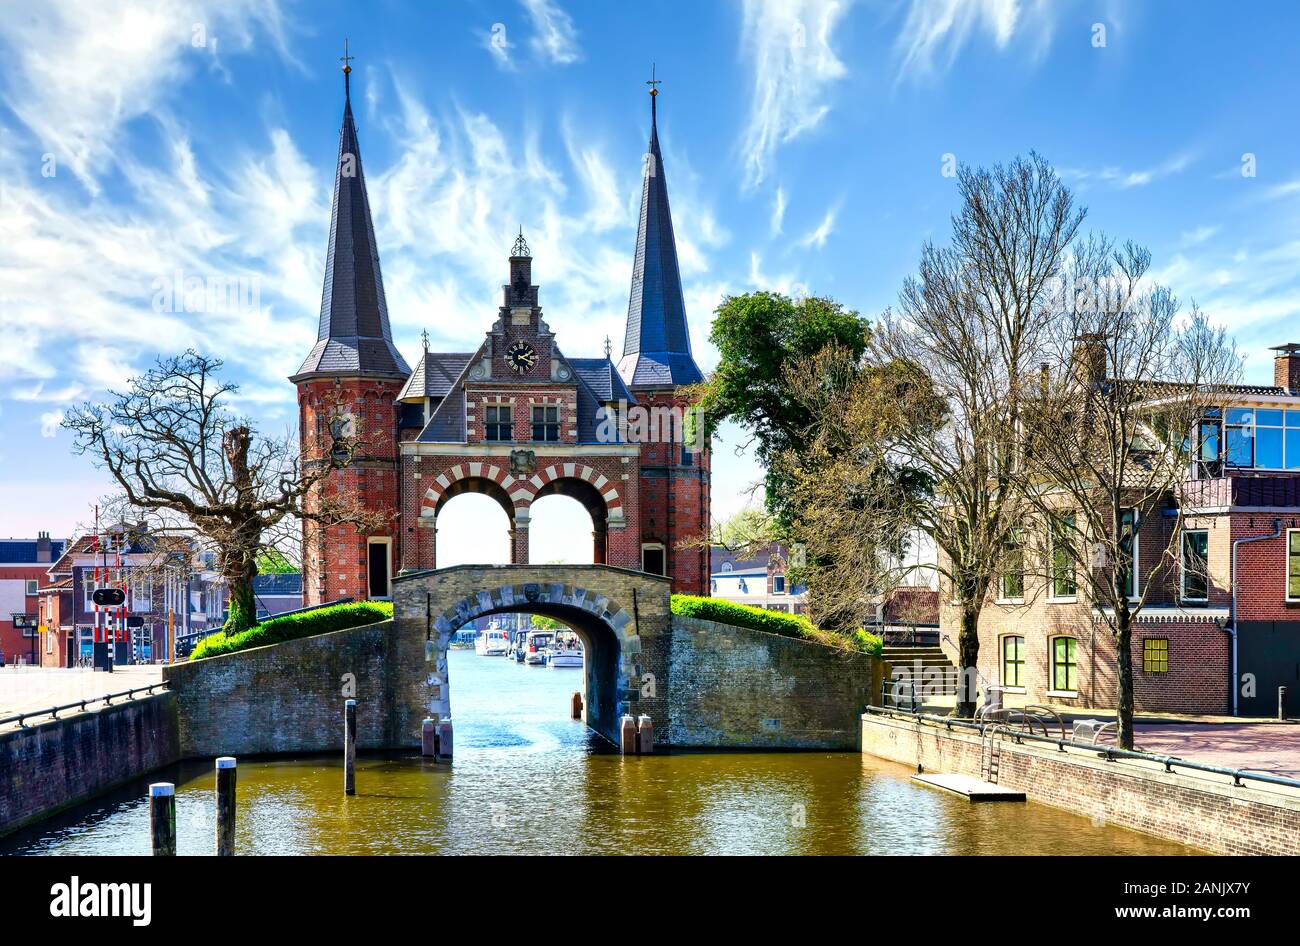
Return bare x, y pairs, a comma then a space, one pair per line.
23, 567
515, 417
1209, 620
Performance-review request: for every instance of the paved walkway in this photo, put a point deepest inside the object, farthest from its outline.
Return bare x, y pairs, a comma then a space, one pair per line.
31, 688
1261, 747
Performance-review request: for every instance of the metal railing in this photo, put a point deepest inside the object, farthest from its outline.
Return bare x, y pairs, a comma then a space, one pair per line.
1110, 753
54, 711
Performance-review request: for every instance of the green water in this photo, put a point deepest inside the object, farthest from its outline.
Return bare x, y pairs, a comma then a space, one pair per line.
528, 780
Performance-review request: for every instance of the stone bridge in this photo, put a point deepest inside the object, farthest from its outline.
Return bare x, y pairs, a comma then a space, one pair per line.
622, 616
703, 684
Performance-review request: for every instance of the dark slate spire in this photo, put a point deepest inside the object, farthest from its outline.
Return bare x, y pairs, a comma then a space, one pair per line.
354, 337
657, 347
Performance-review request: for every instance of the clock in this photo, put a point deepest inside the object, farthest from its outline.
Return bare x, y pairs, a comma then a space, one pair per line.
520, 356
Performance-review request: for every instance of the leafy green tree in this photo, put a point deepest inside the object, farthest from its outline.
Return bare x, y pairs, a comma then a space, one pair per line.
761, 337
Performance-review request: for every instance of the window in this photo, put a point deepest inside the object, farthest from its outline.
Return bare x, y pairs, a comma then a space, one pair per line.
33, 585
1061, 532
1293, 564
546, 424
1064, 676
141, 594
688, 456
778, 584
1267, 439
652, 559
498, 423
1126, 569
1012, 584
1208, 443
1196, 560
1155, 655
1013, 661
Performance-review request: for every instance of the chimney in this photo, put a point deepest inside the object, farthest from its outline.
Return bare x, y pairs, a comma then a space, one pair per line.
43, 547
1286, 367
1089, 358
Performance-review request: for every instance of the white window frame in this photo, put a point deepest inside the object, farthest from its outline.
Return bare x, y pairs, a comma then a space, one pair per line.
1286, 570
1182, 568
31, 586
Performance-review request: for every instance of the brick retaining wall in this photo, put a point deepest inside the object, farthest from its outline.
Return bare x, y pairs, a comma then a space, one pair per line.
1212, 815
287, 697
737, 688
46, 768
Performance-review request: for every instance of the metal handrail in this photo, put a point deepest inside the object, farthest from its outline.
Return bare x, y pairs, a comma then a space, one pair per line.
54, 711
1110, 753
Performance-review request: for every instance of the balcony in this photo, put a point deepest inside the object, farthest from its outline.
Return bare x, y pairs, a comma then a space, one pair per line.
1267, 492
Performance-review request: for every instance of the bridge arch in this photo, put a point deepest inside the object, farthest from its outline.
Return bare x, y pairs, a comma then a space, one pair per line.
611, 609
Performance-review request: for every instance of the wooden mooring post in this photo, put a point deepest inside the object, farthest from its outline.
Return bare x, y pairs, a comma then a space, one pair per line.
429, 738
226, 806
444, 738
162, 819
350, 747
645, 736
577, 705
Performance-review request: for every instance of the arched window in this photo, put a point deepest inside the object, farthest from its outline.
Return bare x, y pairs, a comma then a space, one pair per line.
1013, 660
1064, 668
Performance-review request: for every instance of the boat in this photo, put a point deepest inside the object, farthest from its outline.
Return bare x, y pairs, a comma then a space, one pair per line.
567, 654
491, 643
535, 647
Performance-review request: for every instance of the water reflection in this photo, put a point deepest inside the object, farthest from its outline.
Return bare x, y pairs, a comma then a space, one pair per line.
527, 780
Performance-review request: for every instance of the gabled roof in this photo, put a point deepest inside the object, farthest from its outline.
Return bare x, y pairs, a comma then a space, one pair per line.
657, 345
435, 374
354, 337
604, 380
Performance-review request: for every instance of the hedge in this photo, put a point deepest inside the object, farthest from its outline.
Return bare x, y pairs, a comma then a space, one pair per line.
772, 622
290, 627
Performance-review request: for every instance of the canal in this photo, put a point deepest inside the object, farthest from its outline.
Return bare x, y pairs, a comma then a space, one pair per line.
527, 780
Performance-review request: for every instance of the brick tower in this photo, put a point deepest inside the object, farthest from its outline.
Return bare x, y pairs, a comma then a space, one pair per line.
656, 361
351, 379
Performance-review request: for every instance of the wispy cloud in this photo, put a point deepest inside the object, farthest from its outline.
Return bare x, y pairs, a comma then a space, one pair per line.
114, 61
817, 237
788, 48
497, 42
1124, 179
935, 31
555, 38
778, 211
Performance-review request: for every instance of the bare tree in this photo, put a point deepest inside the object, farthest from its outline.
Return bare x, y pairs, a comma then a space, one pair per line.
187, 466
972, 323
854, 506
1108, 444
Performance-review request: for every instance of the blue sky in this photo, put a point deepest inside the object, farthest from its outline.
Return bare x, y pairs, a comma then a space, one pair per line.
805, 145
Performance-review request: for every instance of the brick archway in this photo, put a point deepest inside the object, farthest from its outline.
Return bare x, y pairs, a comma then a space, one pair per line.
579, 471
445, 486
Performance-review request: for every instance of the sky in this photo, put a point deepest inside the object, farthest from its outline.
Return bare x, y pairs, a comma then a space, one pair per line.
808, 148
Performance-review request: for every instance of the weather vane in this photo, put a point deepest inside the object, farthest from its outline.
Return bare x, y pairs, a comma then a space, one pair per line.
345, 58
424, 339
608, 348
652, 81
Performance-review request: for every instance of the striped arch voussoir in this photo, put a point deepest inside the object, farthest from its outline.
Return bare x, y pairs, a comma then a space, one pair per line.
478, 471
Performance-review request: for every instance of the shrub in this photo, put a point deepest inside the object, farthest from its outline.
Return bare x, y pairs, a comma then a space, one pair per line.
772, 622
290, 627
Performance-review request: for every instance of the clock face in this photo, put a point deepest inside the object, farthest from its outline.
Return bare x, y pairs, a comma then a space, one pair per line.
520, 356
